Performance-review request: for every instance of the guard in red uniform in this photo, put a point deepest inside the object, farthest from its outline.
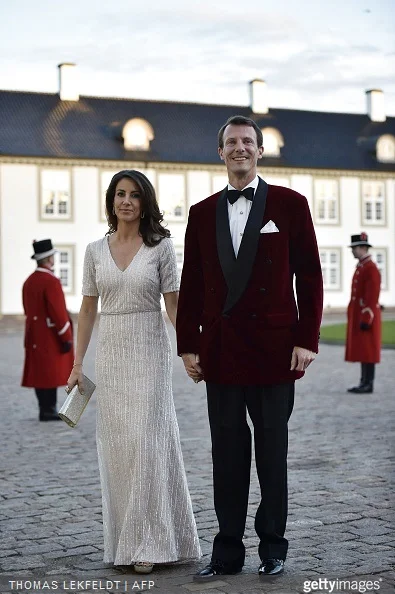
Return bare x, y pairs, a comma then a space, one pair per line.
48, 332
363, 315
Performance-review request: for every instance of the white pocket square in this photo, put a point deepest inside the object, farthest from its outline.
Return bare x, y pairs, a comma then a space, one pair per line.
270, 227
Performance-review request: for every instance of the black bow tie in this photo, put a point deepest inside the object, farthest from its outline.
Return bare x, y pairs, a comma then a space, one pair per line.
233, 195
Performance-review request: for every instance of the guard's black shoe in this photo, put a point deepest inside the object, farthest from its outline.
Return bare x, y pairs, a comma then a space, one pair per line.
365, 389
214, 570
271, 567
354, 389
50, 414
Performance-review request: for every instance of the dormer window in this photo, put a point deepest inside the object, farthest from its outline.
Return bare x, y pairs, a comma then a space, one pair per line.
137, 135
385, 148
272, 142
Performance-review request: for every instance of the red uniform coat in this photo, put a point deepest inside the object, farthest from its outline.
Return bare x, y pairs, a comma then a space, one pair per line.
364, 345
240, 315
47, 326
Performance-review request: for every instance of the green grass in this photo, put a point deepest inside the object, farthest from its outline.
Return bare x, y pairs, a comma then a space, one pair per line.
337, 332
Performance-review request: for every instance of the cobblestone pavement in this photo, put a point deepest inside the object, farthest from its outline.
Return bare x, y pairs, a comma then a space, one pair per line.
340, 522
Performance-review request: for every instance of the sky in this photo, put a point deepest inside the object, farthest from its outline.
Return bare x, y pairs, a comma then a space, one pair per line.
317, 55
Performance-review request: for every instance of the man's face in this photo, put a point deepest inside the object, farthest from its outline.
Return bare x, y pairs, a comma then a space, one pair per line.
358, 251
240, 151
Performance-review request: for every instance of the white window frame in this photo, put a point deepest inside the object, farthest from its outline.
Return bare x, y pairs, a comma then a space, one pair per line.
59, 266
172, 197
46, 185
179, 249
328, 266
370, 194
328, 198
382, 266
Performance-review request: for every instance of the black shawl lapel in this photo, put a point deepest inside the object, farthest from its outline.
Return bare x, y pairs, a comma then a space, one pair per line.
242, 266
225, 249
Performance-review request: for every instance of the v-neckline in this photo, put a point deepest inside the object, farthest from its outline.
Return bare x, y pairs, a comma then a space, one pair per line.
112, 258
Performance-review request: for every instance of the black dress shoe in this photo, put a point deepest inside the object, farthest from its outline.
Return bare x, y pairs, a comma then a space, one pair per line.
214, 570
365, 389
50, 414
271, 567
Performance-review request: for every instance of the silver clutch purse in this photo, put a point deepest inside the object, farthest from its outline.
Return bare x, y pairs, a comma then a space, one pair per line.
75, 403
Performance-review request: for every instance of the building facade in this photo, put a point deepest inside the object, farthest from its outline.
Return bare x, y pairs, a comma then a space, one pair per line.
59, 152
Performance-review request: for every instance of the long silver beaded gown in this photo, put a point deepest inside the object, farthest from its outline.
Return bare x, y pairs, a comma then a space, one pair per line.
147, 510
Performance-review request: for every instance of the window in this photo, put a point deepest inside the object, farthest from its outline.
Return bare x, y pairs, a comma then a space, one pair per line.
326, 201
272, 142
385, 148
330, 264
179, 249
64, 267
373, 203
55, 194
137, 135
379, 255
171, 196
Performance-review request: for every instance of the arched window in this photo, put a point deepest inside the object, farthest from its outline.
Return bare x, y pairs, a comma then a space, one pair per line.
137, 135
272, 142
385, 148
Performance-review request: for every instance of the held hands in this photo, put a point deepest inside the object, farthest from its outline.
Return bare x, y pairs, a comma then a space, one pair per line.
301, 359
76, 377
192, 367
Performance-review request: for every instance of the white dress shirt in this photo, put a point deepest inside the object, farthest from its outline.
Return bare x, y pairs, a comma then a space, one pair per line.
238, 214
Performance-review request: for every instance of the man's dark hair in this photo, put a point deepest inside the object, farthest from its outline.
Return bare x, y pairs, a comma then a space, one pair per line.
239, 120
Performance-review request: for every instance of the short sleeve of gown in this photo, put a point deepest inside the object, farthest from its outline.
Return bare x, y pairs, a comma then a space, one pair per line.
89, 286
168, 267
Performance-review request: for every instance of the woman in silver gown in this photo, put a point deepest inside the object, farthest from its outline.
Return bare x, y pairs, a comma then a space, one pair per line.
147, 510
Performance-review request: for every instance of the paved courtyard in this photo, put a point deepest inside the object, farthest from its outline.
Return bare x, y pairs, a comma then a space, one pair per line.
340, 522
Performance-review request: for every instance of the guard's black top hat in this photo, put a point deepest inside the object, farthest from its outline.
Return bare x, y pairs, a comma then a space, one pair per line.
361, 239
42, 249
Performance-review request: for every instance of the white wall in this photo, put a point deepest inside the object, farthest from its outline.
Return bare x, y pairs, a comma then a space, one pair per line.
20, 225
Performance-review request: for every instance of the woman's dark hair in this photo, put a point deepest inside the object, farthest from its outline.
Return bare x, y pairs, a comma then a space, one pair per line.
150, 226
239, 120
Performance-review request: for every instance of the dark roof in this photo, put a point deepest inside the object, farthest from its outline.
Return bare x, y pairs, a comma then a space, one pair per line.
41, 125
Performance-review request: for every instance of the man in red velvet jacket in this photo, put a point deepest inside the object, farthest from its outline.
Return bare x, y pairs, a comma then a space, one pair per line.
240, 329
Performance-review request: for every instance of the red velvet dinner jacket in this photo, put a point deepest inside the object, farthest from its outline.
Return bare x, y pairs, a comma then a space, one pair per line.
240, 315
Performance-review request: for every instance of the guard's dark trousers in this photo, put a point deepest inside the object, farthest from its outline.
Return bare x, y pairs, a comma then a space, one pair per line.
367, 374
269, 408
46, 398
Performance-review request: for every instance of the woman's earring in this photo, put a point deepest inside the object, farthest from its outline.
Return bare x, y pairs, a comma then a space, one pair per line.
113, 209
142, 215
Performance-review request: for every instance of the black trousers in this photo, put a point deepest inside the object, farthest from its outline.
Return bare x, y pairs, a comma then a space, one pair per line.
269, 408
46, 398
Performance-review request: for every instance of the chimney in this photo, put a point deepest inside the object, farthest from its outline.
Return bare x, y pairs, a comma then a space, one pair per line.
68, 82
375, 105
258, 96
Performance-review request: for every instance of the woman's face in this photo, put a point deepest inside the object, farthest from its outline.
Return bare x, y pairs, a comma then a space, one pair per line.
127, 201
